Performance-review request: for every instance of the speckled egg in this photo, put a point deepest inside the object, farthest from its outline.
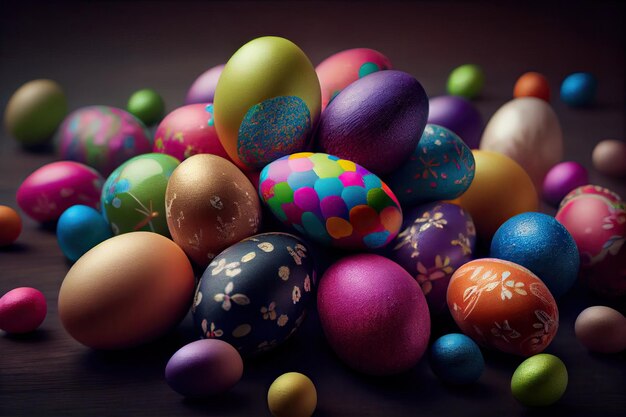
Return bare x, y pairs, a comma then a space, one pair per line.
539, 381
376, 121
102, 137
51, 189
187, 131
459, 115
527, 130
436, 239
331, 200
133, 197
456, 359
441, 167
203, 88
343, 68
267, 102
504, 306
256, 293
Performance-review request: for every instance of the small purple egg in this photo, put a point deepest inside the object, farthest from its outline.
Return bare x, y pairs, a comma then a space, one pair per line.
561, 179
458, 115
203, 368
203, 89
376, 121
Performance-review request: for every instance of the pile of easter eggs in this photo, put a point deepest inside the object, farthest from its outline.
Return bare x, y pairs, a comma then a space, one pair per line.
272, 161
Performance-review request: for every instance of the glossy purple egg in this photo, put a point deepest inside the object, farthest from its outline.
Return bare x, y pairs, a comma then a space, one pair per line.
203, 89
376, 121
458, 115
561, 179
436, 239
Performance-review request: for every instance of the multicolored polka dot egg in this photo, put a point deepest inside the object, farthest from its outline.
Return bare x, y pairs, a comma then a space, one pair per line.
331, 200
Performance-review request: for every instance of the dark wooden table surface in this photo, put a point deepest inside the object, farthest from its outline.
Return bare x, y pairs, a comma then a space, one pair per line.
102, 52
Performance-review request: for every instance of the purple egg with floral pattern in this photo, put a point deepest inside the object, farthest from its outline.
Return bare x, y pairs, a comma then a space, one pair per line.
436, 239
255, 294
441, 167
203, 88
187, 131
376, 121
458, 115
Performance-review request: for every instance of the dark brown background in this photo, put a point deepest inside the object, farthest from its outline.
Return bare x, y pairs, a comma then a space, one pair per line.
102, 52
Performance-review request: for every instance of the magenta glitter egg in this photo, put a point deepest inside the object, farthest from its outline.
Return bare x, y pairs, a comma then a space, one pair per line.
458, 115
187, 131
561, 179
203, 88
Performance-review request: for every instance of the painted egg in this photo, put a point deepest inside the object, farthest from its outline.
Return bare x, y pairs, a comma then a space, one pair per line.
22, 310
561, 179
436, 239
540, 243
601, 329
256, 293
79, 229
376, 121
55, 187
210, 205
500, 190
203, 88
267, 102
102, 137
579, 89
609, 157
331, 200
504, 306
129, 290
527, 130
373, 314
597, 190
187, 131
343, 68
441, 167
459, 115
133, 197
532, 84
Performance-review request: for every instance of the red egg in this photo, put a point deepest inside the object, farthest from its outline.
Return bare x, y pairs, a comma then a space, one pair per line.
532, 84
22, 310
504, 306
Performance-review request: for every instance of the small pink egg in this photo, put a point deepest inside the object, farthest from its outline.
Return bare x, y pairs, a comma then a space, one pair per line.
22, 310
609, 157
561, 179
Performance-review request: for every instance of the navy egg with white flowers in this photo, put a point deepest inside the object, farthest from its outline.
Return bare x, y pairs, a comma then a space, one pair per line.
256, 293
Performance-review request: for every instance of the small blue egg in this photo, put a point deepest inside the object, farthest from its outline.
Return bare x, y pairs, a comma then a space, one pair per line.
540, 243
579, 89
456, 359
79, 229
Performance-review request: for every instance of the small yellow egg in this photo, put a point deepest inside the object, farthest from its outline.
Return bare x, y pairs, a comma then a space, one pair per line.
292, 395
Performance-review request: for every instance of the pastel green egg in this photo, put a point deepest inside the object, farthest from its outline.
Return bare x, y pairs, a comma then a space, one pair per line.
539, 381
147, 105
466, 81
267, 102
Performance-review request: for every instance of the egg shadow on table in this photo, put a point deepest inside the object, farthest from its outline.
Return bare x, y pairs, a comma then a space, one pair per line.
229, 403
38, 336
16, 247
46, 147
48, 227
560, 408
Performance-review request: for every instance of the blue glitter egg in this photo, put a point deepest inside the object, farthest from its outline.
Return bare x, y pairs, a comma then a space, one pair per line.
79, 229
579, 89
540, 243
456, 359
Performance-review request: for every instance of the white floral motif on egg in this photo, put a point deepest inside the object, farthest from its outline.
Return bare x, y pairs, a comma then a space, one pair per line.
283, 273
282, 320
269, 312
307, 283
296, 294
242, 330
248, 257
211, 332
225, 298
197, 300
266, 246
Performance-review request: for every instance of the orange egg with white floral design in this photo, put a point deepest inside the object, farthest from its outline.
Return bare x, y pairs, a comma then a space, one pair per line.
504, 306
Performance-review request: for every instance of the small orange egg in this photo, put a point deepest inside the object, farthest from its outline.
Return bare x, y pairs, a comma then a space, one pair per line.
532, 84
10, 225
500, 190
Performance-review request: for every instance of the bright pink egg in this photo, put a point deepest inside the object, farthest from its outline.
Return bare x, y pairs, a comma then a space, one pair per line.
561, 179
22, 310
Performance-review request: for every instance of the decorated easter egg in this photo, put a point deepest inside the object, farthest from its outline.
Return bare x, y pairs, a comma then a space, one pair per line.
79, 229
102, 137
343, 68
532, 84
147, 105
561, 179
331, 200
10, 225
133, 197
292, 395
458, 115
35, 111
609, 157
203, 368
210, 205
504, 306
267, 102
436, 239
376, 121
579, 89
466, 81
129, 290
601, 329
541, 244
256, 293
539, 381
500, 190
591, 189
203, 88
374, 314
456, 359
22, 310
527, 130
441, 167
187, 131
51, 189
